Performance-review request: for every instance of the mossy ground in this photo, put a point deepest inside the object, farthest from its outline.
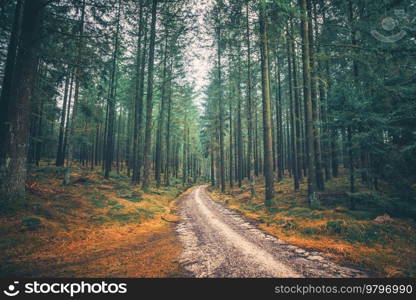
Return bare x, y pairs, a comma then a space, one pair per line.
92, 228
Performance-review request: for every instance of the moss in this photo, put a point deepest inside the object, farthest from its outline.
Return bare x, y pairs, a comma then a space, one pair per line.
9, 242
133, 196
146, 214
361, 214
299, 212
310, 231
252, 207
98, 199
354, 232
31, 224
335, 226
98, 203
125, 218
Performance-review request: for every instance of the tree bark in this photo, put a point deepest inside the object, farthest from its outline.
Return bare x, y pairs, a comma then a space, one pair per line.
310, 155
14, 146
60, 156
250, 148
72, 120
112, 103
138, 99
267, 116
161, 119
314, 95
149, 101
9, 72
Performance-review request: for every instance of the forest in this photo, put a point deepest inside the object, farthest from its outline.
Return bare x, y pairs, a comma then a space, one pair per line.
298, 114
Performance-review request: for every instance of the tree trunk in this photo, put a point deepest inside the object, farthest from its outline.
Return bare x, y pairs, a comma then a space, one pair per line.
9, 72
168, 130
72, 120
310, 155
60, 156
314, 95
267, 116
293, 132
112, 103
149, 101
14, 146
138, 99
220, 110
250, 148
161, 119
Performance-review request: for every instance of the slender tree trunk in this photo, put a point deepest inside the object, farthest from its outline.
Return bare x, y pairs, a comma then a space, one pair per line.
220, 110
112, 103
168, 129
67, 118
239, 129
250, 148
161, 120
149, 102
72, 121
39, 131
185, 154
349, 128
292, 110
119, 133
138, 99
279, 121
212, 160
267, 117
314, 95
60, 156
308, 101
300, 157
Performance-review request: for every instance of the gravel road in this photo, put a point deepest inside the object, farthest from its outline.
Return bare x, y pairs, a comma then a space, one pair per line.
219, 242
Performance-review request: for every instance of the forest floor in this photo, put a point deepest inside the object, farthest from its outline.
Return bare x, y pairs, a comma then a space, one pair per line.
364, 238
92, 228
110, 228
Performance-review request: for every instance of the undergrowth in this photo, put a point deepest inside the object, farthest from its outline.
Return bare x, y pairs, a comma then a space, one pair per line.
93, 227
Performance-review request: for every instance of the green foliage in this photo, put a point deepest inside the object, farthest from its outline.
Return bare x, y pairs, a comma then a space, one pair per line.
310, 231
99, 200
335, 226
134, 196
303, 212
355, 232
253, 207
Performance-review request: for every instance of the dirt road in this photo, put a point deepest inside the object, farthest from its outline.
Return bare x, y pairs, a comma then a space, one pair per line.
219, 242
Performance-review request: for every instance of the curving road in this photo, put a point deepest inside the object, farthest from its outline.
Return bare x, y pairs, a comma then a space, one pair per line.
219, 242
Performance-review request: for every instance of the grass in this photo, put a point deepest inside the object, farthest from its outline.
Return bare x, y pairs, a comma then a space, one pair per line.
92, 228
350, 237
